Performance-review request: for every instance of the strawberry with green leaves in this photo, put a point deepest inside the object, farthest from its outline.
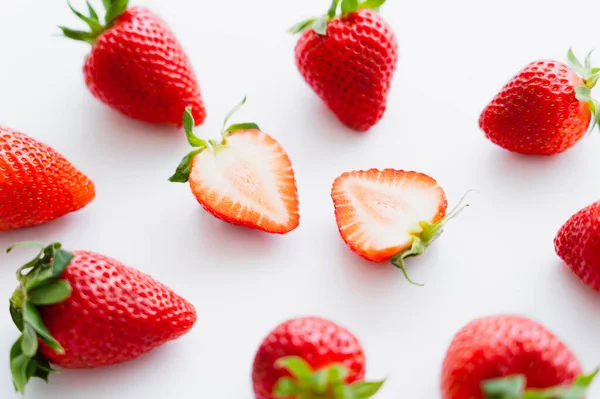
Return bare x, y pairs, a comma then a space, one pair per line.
245, 179
545, 109
311, 357
137, 66
83, 310
348, 57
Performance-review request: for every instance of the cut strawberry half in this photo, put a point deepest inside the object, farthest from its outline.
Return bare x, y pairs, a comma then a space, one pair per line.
389, 215
247, 179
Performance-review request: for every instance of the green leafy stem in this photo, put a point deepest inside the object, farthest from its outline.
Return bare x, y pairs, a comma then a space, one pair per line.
114, 8
182, 173
39, 285
515, 387
590, 77
325, 383
424, 237
338, 8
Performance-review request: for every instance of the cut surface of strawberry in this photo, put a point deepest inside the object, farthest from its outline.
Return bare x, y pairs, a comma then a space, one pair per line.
389, 215
247, 179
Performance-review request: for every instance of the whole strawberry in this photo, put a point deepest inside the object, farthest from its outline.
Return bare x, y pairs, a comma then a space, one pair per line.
311, 357
545, 109
81, 310
349, 60
137, 66
37, 184
578, 244
246, 179
510, 357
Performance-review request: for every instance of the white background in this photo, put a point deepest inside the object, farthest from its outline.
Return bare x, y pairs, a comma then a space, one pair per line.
498, 257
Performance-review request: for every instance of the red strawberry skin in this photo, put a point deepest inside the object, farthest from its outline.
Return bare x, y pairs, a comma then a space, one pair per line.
578, 245
318, 341
114, 314
499, 346
537, 111
139, 68
37, 184
351, 68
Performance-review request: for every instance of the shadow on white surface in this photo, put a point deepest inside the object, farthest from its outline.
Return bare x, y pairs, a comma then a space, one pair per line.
581, 292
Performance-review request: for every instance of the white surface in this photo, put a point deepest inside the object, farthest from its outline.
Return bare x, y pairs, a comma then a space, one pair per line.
454, 56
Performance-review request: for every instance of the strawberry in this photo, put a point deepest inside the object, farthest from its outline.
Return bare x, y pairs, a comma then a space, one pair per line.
389, 215
545, 109
510, 357
246, 179
310, 357
578, 244
137, 66
349, 60
81, 310
37, 184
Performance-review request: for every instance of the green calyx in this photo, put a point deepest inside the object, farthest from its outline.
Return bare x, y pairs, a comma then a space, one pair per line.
114, 8
182, 173
515, 387
326, 383
590, 77
338, 8
424, 237
39, 285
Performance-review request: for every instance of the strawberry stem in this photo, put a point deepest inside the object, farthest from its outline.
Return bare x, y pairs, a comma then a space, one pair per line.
114, 8
40, 284
590, 77
422, 239
326, 383
514, 387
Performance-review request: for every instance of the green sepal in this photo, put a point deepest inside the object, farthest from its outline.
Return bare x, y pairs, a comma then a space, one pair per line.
327, 383
426, 234
17, 315
241, 126
39, 285
319, 24
590, 77
182, 173
188, 126
301, 26
371, 4
25, 244
514, 387
50, 294
349, 6
92, 22
114, 8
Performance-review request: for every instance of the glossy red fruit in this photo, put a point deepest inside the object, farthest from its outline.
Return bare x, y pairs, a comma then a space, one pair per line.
89, 311
578, 244
505, 346
37, 184
349, 60
297, 347
545, 109
138, 67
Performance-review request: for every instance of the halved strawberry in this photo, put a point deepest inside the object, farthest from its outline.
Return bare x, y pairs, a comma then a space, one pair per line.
247, 179
389, 215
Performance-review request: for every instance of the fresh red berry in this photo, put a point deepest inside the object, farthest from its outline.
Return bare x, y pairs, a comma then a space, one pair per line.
247, 179
578, 244
349, 61
138, 67
297, 349
89, 311
37, 184
493, 347
545, 109
389, 215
